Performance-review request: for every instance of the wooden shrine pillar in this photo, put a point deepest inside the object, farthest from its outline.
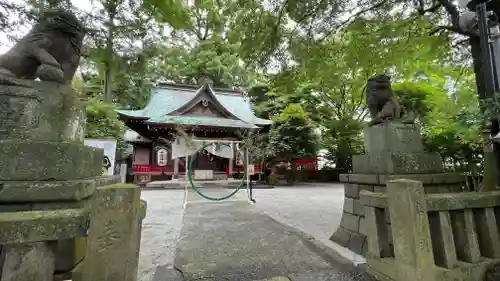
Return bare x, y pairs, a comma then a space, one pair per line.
187, 165
231, 163
176, 168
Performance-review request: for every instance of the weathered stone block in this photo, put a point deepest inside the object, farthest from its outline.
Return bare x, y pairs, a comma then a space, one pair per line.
344, 177
397, 163
362, 226
465, 235
359, 208
364, 251
393, 137
341, 236
379, 188
426, 179
349, 205
136, 241
367, 179
113, 228
365, 187
350, 222
389, 234
39, 191
70, 252
34, 160
356, 242
40, 111
28, 262
61, 205
351, 190
410, 230
35, 226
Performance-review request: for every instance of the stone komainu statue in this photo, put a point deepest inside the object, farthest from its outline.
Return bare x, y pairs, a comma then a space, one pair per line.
50, 51
380, 102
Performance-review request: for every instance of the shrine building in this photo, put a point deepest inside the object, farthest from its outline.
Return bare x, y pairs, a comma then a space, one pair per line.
205, 114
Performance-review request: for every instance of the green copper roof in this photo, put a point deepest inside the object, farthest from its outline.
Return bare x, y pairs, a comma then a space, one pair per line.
167, 98
201, 121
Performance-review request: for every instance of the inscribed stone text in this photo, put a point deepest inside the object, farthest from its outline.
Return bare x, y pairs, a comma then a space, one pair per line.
108, 237
9, 115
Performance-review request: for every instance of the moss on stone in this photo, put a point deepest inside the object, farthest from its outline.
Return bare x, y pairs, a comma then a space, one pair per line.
33, 226
24, 160
120, 185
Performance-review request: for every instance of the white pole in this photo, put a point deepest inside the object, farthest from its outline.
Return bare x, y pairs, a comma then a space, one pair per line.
247, 174
123, 173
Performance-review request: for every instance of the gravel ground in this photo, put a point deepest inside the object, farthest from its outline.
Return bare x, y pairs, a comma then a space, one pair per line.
315, 210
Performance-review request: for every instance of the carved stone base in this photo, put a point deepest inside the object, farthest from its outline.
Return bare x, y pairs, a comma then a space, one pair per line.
393, 151
392, 137
352, 230
397, 163
28, 196
36, 160
22, 262
40, 111
114, 235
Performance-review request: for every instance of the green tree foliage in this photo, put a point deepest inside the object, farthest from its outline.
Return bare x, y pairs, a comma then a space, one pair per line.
213, 58
102, 121
172, 12
328, 77
450, 119
292, 135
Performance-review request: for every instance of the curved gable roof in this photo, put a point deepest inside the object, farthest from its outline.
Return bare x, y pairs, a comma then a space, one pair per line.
167, 98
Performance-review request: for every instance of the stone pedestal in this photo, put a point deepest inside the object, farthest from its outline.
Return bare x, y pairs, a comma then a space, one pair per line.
114, 235
393, 151
44, 166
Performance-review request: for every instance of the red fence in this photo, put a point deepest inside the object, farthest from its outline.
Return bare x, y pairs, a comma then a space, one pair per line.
310, 165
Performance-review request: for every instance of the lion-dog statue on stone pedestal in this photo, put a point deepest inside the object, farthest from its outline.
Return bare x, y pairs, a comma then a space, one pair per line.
50, 51
380, 101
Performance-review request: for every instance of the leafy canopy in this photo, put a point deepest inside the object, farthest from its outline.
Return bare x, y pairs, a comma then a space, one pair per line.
292, 135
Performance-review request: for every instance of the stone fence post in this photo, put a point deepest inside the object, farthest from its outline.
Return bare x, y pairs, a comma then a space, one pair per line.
410, 230
114, 234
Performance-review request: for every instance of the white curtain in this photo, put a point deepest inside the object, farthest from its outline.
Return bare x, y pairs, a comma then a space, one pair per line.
182, 147
221, 150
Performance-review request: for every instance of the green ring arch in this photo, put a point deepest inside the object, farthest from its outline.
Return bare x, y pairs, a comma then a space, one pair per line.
190, 177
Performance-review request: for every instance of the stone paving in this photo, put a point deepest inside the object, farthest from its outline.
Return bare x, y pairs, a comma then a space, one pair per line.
160, 231
315, 210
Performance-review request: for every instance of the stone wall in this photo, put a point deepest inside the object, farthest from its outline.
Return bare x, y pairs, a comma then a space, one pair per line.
393, 151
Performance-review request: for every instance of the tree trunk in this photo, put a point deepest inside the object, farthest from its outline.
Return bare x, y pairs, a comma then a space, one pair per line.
293, 172
108, 63
343, 157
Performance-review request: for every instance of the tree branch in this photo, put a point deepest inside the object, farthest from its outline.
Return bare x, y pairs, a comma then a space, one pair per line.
355, 15
422, 11
452, 10
455, 29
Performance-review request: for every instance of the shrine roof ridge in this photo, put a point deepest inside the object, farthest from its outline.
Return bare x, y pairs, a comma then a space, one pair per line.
193, 87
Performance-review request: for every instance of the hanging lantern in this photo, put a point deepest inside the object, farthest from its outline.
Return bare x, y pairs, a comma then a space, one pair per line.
161, 157
239, 158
